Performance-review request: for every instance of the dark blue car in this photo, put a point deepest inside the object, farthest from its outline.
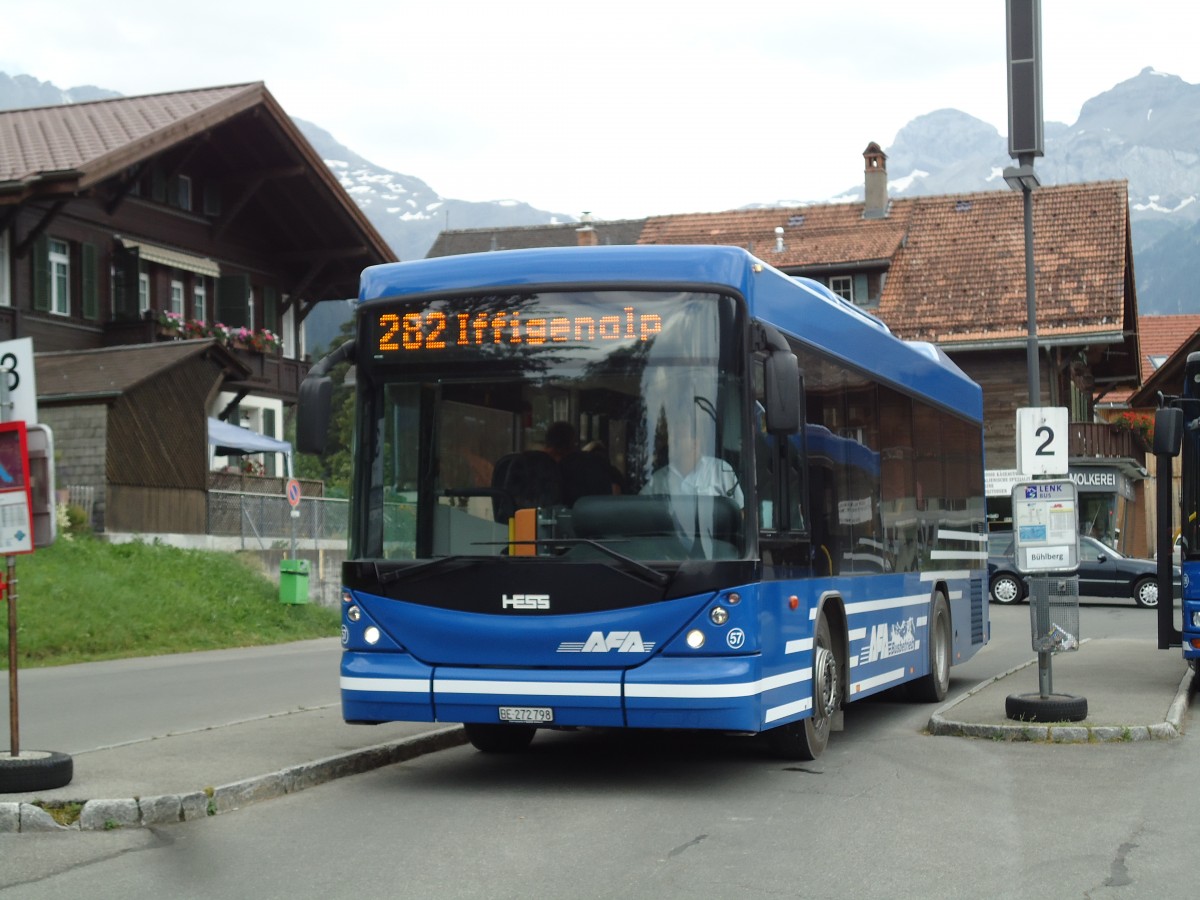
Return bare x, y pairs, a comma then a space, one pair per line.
1103, 572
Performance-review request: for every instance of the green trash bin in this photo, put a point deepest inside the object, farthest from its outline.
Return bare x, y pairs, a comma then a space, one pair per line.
293, 581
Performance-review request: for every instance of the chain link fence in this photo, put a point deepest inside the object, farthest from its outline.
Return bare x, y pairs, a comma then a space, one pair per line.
262, 521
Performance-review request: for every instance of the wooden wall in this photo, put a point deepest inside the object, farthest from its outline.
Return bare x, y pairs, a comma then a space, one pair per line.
143, 510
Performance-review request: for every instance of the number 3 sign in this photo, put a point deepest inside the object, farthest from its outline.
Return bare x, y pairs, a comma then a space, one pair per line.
1042, 439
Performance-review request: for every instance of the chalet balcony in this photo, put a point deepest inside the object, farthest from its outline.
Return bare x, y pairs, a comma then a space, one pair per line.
1100, 439
271, 373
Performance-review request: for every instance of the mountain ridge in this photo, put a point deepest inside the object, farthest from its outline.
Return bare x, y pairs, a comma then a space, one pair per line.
1145, 130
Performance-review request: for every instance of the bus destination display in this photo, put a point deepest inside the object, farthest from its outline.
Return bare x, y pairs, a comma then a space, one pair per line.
438, 330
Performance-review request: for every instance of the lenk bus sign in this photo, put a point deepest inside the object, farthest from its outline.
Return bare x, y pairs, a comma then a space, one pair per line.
1045, 526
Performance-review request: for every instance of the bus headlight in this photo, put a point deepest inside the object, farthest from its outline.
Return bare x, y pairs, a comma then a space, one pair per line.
354, 614
695, 638
719, 615
371, 635
1196, 619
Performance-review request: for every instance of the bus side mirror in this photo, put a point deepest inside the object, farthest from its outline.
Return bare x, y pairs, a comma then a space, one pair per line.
782, 390
313, 407
1168, 431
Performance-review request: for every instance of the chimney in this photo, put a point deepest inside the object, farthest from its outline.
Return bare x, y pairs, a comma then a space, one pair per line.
875, 179
586, 232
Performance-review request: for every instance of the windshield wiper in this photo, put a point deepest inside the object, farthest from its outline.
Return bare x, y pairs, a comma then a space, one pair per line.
640, 569
422, 568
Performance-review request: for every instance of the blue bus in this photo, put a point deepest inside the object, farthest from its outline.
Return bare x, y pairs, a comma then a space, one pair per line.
647, 487
1177, 433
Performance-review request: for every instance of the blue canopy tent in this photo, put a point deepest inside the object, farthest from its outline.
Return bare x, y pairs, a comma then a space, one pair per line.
229, 440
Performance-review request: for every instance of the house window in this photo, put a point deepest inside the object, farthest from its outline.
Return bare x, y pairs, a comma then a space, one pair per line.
212, 199
199, 298
143, 290
183, 192
843, 286
60, 278
5, 284
176, 305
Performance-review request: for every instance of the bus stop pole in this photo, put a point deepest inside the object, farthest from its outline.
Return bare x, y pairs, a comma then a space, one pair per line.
10, 594
1045, 677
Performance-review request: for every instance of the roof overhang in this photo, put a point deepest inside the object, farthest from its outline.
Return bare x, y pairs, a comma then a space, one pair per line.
1019, 343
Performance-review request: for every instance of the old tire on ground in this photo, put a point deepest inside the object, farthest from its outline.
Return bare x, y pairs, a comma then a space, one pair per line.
1145, 593
1051, 708
34, 770
1006, 589
499, 738
807, 738
932, 688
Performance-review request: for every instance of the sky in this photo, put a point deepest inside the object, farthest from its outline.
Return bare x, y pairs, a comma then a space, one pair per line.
622, 109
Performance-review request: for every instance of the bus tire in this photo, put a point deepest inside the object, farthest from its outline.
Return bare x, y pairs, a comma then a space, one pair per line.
808, 738
931, 688
499, 738
34, 770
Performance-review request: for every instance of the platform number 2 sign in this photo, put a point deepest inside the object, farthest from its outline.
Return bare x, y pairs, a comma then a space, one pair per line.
1042, 439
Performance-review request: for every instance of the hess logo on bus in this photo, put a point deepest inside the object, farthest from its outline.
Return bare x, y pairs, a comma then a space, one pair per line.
525, 601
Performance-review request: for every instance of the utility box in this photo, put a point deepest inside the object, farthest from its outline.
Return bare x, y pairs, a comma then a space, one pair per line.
293, 581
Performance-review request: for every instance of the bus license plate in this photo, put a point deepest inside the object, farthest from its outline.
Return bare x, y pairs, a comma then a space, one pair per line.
530, 714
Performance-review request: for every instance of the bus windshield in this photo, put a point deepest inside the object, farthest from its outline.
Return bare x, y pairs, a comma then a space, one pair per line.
583, 425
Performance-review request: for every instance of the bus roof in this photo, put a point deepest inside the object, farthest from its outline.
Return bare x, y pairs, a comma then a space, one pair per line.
803, 309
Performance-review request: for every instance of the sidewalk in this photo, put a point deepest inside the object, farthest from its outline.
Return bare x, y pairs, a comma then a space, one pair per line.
215, 770
1134, 691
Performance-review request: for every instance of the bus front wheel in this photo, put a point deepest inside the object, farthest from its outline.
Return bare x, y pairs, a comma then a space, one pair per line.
807, 738
932, 688
499, 738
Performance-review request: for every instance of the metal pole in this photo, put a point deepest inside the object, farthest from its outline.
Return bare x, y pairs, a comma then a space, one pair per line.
1035, 380
14, 718
1045, 675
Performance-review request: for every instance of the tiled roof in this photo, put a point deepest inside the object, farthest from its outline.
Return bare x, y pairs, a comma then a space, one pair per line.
483, 240
1169, 337
829, 234
93, 139
960, 276
1163, 335
955, 263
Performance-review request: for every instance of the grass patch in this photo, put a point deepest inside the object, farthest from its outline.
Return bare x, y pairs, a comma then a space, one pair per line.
86, 600
63, 812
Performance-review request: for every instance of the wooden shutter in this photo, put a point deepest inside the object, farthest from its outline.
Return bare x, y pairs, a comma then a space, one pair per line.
89, 281
271, 308
158, 185
233, 296
125, 284
41, 274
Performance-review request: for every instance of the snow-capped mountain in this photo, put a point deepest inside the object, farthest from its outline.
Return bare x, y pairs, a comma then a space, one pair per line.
408, 212
1145, 130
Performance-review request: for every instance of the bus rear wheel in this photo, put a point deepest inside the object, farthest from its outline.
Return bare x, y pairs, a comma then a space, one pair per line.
499, 738
808, 738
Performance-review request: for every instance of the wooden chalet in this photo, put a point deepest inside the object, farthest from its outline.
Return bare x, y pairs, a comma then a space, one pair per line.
179, 240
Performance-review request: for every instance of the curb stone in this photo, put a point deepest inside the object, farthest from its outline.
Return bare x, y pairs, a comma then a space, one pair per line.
101, 815
1064, 734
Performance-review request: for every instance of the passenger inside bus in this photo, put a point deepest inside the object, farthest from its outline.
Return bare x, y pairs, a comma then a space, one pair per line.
581, 474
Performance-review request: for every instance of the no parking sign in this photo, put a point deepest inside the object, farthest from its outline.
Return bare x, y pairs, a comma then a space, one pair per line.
293, 492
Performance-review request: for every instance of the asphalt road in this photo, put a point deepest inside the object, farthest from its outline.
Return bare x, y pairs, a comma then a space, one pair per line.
65, 708
887, 812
